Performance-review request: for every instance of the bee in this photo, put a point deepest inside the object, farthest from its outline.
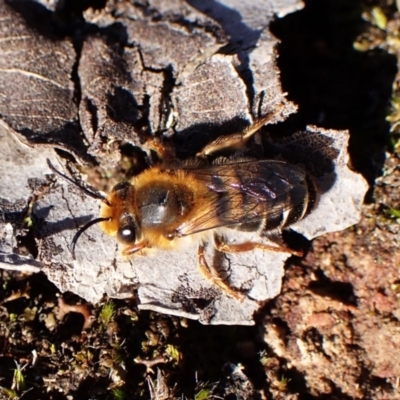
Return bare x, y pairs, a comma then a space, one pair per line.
172, 202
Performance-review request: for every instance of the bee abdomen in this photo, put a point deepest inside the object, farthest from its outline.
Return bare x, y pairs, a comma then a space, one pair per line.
299, 203
306, 206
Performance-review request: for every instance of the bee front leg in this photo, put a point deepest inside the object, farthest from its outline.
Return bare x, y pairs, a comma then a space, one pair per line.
239, 139
224, 247
134, 248
216, 280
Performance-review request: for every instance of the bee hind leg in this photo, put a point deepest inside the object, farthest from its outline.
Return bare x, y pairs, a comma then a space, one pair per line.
239, 139
224, 247
216, 280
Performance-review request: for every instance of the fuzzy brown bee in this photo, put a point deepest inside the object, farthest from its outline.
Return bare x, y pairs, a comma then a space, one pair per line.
170, 203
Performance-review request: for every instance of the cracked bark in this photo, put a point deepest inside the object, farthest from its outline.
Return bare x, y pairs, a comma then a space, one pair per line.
170, 69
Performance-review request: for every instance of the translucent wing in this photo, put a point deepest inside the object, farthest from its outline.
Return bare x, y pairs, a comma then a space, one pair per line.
245, 192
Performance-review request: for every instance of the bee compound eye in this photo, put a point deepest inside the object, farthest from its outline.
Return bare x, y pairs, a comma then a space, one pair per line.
127, 234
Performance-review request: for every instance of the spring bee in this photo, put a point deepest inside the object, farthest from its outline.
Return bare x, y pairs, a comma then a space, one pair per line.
172, 202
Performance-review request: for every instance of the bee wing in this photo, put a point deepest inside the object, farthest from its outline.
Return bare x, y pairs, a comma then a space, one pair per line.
246, 191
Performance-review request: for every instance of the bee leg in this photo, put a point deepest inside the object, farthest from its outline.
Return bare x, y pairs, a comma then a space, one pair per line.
164, 151
224, 247
239, 139
133, 248
216, 280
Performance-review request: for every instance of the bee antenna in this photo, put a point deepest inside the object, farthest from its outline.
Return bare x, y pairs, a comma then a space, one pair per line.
92, 193
83, 229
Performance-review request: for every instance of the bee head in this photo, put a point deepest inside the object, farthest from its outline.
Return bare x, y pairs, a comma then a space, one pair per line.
119, 214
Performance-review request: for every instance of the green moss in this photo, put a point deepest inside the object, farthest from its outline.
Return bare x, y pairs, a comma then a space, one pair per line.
118, 394
106, 313
393, 212
203, 394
